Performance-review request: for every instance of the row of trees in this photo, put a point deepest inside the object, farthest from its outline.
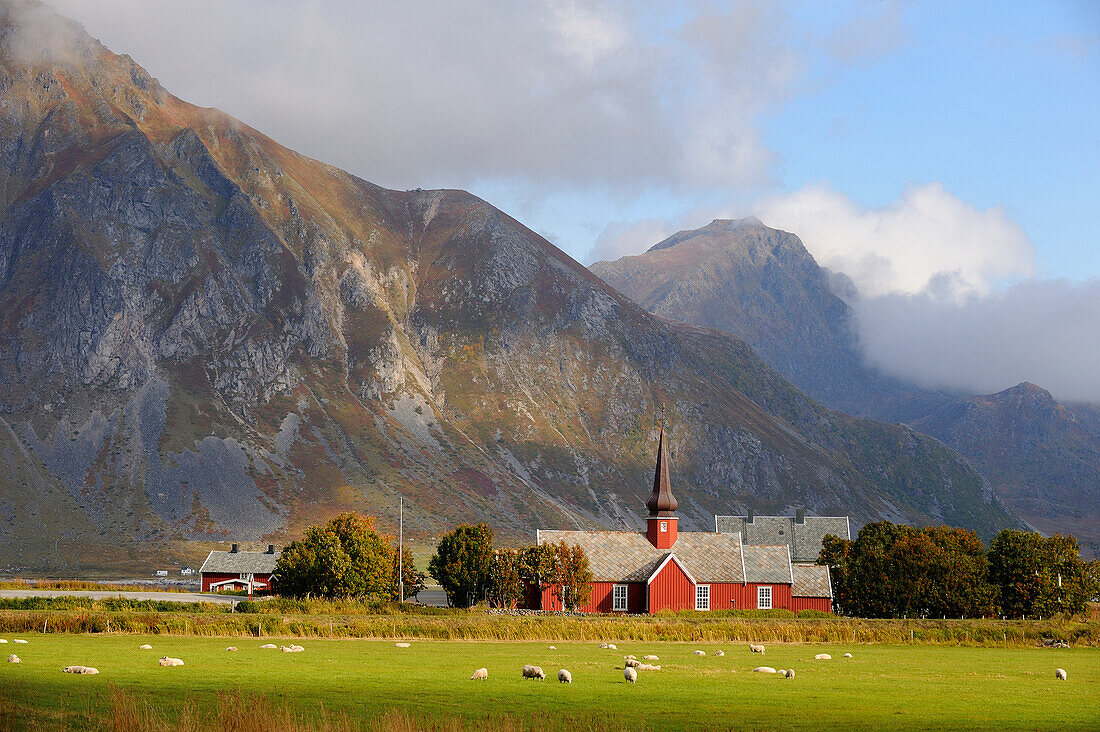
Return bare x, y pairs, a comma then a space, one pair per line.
346, 557
893, 570
469, 570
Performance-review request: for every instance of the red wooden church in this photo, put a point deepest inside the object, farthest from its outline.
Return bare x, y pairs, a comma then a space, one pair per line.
663, 568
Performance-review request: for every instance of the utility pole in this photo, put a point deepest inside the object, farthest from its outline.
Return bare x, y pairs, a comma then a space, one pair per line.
401, 549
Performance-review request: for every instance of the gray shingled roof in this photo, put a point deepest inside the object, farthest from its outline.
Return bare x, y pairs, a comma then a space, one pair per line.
767, 564
236, 562
627, 556
804, 539
811, 580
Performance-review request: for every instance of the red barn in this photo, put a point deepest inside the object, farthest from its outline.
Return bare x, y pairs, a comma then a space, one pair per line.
664, 569
237, 570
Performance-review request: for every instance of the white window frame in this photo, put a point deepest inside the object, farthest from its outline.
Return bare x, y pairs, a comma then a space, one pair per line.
620, 598
702, 592
764, 598
664, 527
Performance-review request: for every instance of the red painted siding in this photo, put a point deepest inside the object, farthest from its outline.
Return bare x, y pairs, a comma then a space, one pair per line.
601, 598
671, 589
209, 578
823, 604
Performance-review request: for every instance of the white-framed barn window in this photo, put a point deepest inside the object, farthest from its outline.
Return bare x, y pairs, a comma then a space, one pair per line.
764, 598
702, 597
618, 598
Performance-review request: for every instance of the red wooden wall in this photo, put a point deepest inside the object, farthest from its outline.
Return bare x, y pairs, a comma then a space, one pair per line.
823, 604
601, 599
209, 578
671, 589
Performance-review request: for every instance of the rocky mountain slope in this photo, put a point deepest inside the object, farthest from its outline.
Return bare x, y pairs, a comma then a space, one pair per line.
762, 285
205, 335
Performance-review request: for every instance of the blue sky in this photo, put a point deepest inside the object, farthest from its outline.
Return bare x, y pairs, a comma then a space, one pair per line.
943, 155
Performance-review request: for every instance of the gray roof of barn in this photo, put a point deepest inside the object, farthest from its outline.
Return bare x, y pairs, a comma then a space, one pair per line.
804, 539
237, 562
627, 556
770, 564
811, 580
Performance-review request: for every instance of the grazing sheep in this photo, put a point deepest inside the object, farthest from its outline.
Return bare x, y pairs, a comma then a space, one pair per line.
719, 653
17, 640
145, 647
291, 649
565, 677
698, 653
823, 657
552, 648
402, 645
647, 667
603, 645
764, 670
231, 648
1060, 673
790, 673
3, 640
14, 659
630, 675
630, 657
651, 657
480, 675
269, 645
612, 647
756, 649
632, 663
781, 671
85, 670
166, 661
533, 672
847, 655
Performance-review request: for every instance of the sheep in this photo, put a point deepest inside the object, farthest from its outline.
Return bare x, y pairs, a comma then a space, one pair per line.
847, 655
790, 673
167, 661
647, 667
402, 645
632, 663
651, 657
756, 649
291, 649
18, 640
630, 657
698, 653
823, 657
630, 675
533, 672
480, 675
84, 670
552, 648
269, 645
231, 648
14, 659
145, 647
764, 670
612, 647
1060, 674
603, 645
3, 640
564, 676
719, 653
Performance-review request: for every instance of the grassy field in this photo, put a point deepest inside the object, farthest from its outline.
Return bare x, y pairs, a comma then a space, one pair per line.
362, 681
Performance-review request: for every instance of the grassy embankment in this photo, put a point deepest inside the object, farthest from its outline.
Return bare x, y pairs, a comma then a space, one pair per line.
361, 684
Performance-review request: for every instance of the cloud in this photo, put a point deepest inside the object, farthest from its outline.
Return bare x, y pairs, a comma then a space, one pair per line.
869, 36
926, 241
1039, 331
564, 92
622, 239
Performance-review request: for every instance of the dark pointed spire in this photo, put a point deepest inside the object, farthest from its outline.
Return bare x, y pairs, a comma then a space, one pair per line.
661, 502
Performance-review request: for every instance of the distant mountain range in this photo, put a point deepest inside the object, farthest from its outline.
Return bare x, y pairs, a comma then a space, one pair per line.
760, 284
205, 335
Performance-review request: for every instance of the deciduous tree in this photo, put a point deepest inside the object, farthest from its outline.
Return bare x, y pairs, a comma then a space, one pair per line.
462, 564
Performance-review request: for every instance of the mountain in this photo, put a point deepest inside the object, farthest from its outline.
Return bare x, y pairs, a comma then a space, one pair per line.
205, 335
760, 284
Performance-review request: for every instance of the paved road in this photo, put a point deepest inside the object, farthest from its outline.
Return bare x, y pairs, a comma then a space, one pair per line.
128, 595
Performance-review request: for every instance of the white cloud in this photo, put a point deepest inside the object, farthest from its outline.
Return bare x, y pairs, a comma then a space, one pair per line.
926, 241
622, 239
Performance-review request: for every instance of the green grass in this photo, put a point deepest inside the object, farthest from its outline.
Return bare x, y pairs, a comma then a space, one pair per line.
883, 686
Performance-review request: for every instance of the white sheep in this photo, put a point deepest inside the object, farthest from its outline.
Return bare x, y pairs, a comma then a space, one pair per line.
480, 675
651, 657
847, 655
764, 670
84, 670
823, 657
630, 657
790, 673
552, 648
533, 672
612, 647
719, 653
17, 640
647, 667
3, 640
564, 676
698, 653
402, 645
167, 661
291, 649
14, 659
231, 648
603, 645
756, 649
632, 663
145, 647
1060, 673
630, 675
269, 645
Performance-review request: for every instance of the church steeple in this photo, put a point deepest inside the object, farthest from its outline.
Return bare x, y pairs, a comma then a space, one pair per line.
661, 524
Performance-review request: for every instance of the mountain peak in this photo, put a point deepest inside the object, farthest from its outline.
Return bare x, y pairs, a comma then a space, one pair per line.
716, 228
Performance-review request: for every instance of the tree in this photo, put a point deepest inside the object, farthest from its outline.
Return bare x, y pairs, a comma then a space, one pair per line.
414, 580
572, 579
507, 579
462, 564
344, 558
1037, 576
